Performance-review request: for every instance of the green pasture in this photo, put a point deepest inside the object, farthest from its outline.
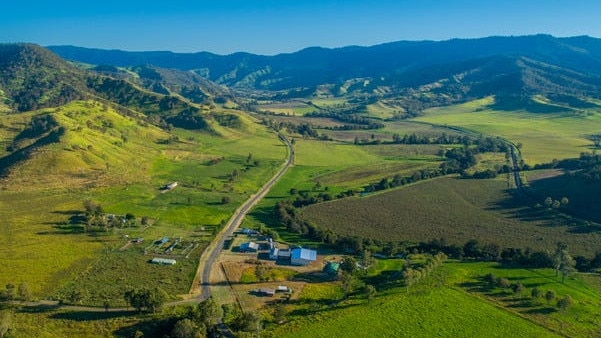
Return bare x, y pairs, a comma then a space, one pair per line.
454, 209
122, 168
443, 311
457, 303
544, 136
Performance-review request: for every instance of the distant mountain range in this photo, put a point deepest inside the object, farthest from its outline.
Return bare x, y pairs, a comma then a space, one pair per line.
526, 63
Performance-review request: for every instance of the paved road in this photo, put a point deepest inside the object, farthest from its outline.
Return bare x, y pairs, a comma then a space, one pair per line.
212, 252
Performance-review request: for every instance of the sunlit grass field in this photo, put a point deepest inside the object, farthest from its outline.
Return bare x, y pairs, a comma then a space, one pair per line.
122, 169
544, 136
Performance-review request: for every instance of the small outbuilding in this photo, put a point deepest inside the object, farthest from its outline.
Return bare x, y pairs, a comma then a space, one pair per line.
331, 268
302, 256
249, 247
267, 292
163, 261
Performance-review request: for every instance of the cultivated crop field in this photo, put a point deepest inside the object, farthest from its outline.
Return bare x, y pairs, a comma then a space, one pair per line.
454, 209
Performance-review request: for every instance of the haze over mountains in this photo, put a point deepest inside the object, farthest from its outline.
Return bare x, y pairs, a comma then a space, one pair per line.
417, 74
526, 63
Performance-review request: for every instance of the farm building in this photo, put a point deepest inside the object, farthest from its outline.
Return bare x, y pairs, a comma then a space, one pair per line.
249, 247
331, 268
301, 256
162, 241
283, 288
171, 185
266, 292
163, 261
273, 253
277, 253
251, 232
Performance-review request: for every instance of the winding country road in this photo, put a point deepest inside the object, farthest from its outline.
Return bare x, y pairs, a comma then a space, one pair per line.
211, 253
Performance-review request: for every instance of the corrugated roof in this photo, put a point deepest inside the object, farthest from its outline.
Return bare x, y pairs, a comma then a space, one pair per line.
302, 253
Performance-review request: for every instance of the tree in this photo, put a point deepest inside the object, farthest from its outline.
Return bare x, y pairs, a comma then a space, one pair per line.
156, 299
549, 296
562, 261
6, 322
250, 322
260, 272
349, 264
209, 312
548, 202
144, 298
367, 260
565, 201
225, 200
518, 288
565, 303
279, 313
349, 283
185, 328
24, 292
536, 293
369, 291
409, 277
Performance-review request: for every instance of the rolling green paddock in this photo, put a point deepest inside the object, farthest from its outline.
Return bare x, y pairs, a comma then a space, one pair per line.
545, 136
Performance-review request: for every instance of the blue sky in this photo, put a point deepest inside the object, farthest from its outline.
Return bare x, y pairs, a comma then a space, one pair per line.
270, 27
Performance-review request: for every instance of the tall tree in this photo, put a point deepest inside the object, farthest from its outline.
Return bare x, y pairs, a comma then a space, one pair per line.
24, 292
209, 312
185, 328
6, 322
562, 261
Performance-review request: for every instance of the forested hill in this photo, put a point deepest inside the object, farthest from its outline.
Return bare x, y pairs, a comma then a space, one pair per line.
32, 77
515, 63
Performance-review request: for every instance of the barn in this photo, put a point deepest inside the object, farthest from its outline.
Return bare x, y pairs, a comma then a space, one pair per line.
302, 256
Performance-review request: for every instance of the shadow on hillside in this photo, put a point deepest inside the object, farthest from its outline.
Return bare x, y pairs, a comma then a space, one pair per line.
541, 311
527, 209
82, 316
154, 327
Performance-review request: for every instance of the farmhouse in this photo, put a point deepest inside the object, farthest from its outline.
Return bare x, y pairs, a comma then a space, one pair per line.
163, 261
249, 247
301, 256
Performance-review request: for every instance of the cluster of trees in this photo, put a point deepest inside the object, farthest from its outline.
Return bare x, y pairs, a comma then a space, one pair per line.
536, 294
12, 292
94, 216
197, 321
412, 275
144, 298
424, 139
351, 271
587, 166
189, 118
358, 122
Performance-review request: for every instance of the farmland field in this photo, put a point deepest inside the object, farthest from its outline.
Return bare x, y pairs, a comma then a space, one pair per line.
44, 249
449, 310
545, 136
454, 209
